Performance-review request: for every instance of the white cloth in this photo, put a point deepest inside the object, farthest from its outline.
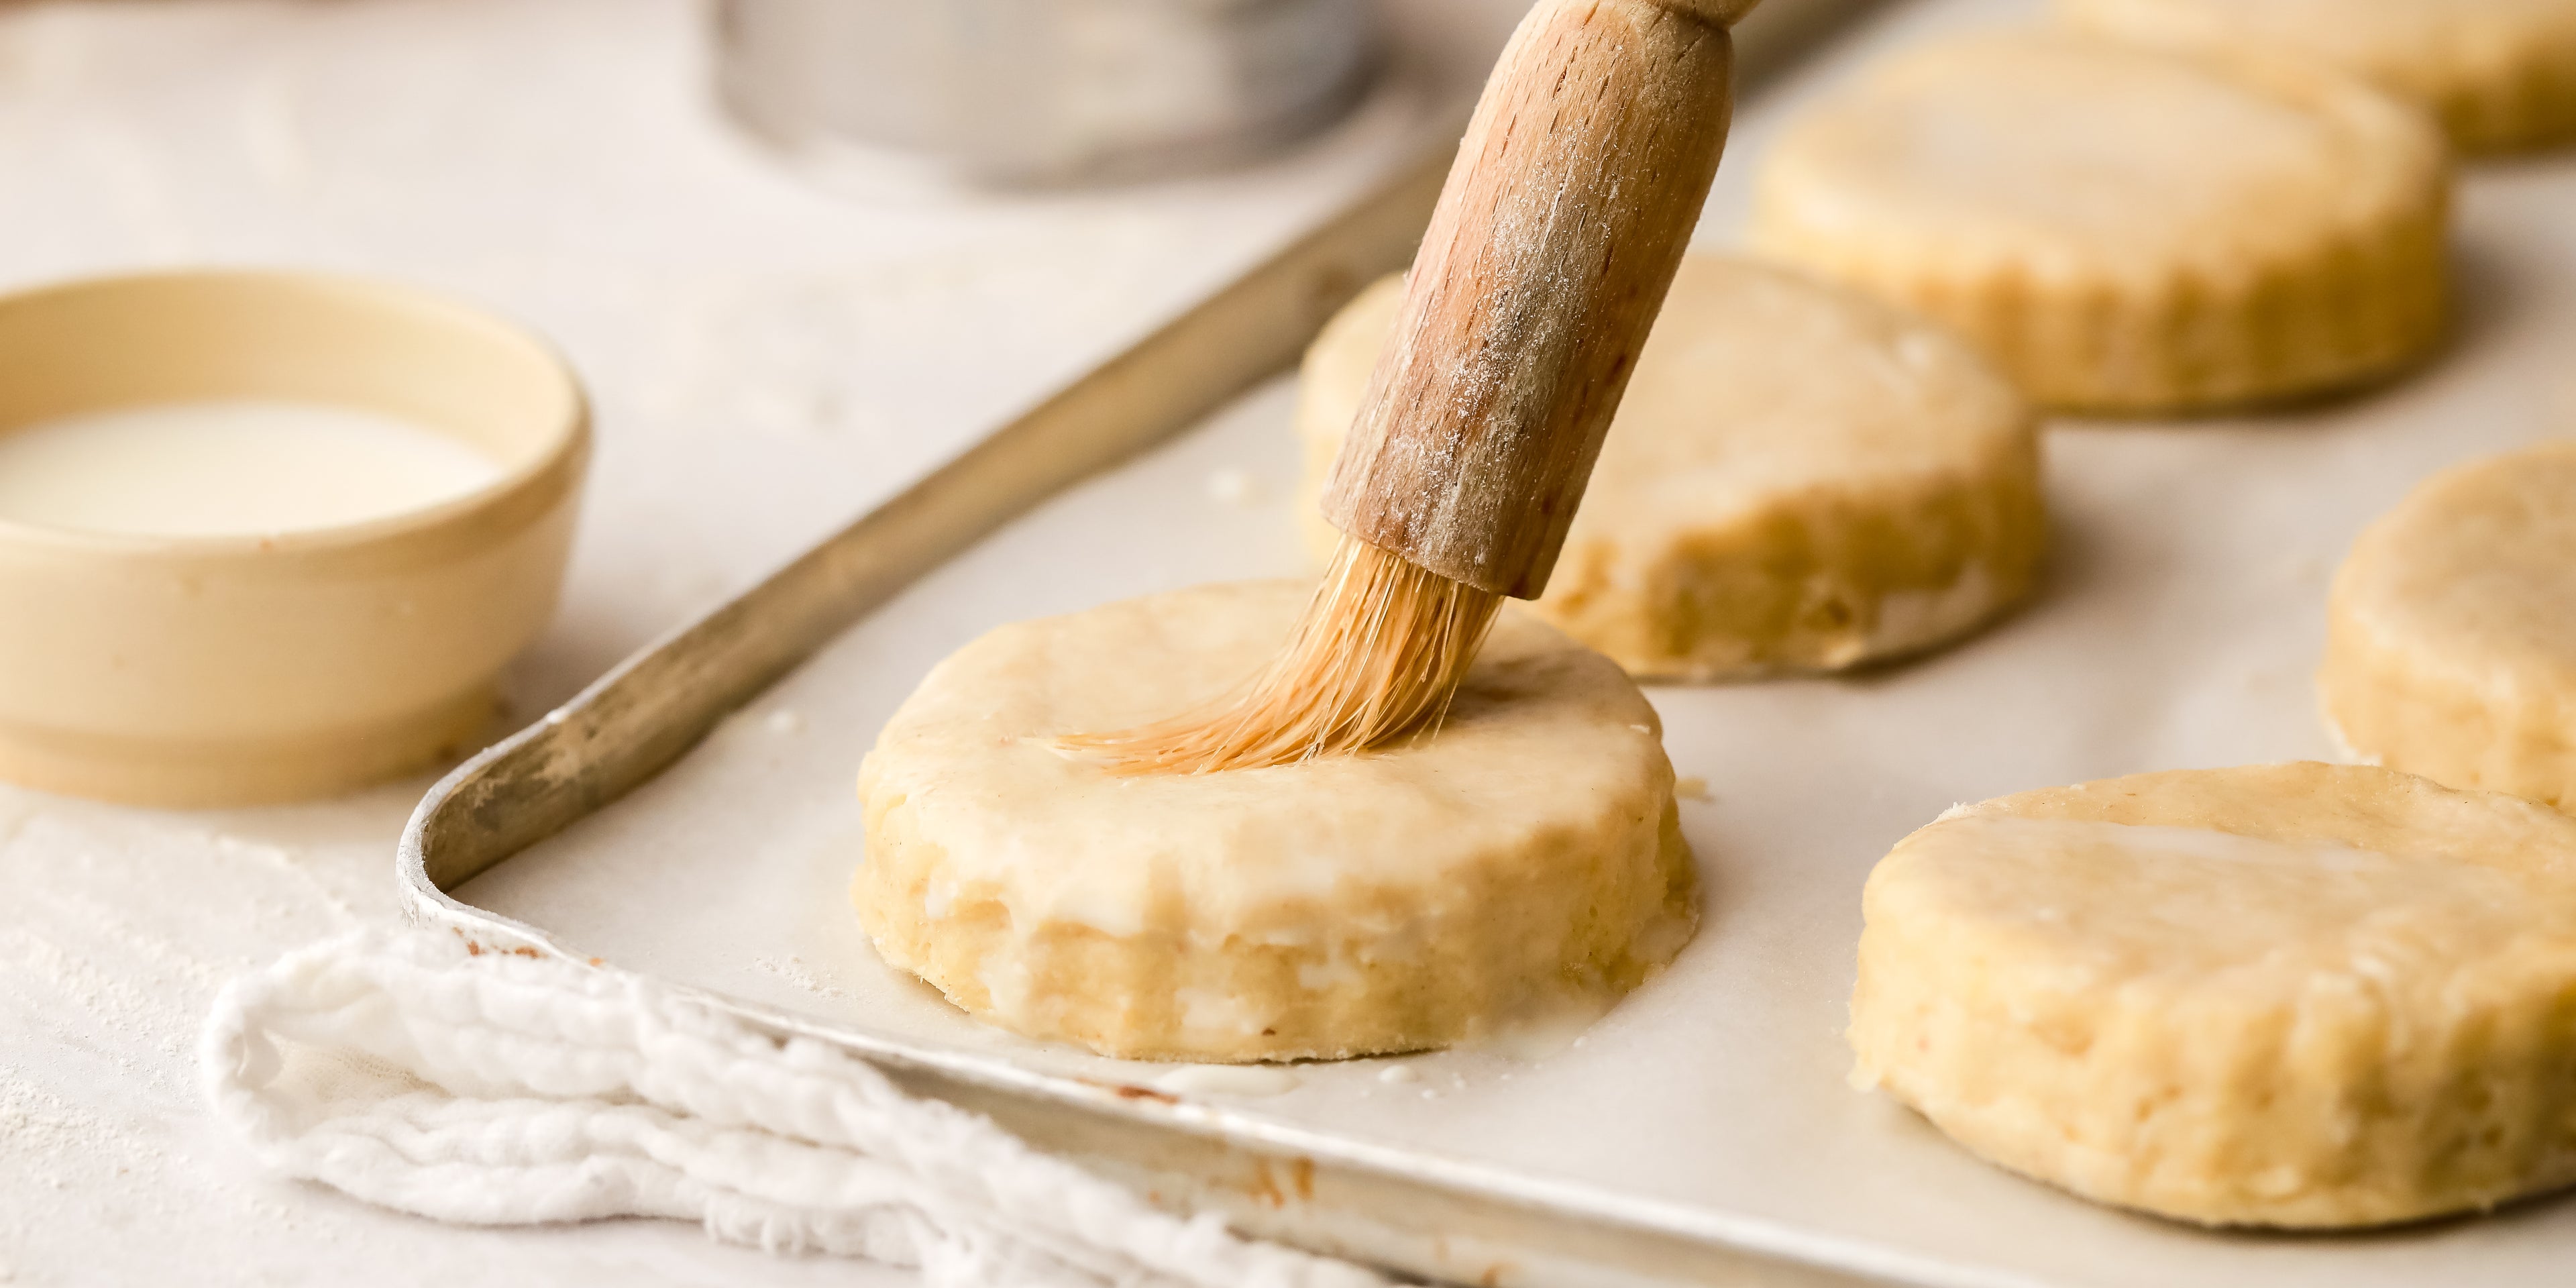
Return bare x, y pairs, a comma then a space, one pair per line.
497, 1089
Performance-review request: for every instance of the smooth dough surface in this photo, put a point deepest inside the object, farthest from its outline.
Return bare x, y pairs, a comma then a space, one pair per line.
1526, 858
1798, 479
2296, 995
2123, 229
2499, 74
2451, 630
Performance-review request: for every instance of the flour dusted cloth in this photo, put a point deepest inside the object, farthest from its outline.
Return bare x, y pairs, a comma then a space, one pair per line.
496, 1089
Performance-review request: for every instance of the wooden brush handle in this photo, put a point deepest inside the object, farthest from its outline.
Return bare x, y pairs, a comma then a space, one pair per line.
1564, 218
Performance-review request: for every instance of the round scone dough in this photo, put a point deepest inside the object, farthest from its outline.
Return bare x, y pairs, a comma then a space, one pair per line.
1524, 860
1799, 479
2295, 995
2127, 230
2499, 74
2451, 630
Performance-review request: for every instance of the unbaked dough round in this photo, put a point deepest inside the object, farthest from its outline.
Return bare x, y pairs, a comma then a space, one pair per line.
2127, 230
2285, 995
1799, 479
2451, 630
1525, 858
2500, 74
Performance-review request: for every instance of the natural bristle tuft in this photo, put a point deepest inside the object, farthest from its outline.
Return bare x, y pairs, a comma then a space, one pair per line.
1380, 650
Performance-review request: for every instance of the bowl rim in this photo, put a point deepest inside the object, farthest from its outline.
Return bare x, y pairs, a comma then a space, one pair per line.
568, 444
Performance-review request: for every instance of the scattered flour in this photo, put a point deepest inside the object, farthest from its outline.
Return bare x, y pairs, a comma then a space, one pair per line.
796, 972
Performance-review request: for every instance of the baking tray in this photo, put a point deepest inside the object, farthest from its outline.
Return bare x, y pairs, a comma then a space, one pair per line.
692, 815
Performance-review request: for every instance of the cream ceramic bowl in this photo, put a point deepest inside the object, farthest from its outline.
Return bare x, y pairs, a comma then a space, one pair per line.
205, 671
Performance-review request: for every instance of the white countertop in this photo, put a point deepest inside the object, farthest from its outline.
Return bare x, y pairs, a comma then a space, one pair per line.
767, 360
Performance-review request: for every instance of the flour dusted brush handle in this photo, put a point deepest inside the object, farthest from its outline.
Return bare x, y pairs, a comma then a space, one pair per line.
1563, 221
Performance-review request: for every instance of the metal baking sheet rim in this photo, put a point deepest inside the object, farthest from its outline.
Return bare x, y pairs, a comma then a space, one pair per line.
1458, 1221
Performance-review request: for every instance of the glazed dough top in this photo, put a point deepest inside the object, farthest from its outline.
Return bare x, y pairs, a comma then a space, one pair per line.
2475, 571
2247, 886
1543, 737
2076, 158
1756, 384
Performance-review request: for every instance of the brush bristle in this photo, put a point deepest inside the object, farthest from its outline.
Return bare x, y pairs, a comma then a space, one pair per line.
1379, 652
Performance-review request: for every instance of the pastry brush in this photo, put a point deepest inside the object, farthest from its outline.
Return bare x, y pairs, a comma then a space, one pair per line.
1560, 227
